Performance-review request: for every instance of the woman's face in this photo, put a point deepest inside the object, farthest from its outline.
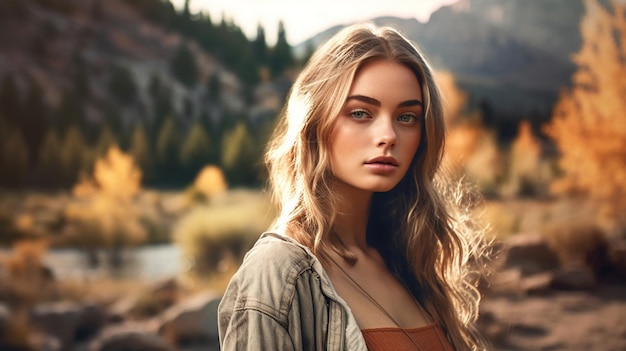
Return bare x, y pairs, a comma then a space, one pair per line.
379, 127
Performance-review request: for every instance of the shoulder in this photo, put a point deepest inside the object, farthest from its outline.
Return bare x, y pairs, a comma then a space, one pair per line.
276, 254
270, 276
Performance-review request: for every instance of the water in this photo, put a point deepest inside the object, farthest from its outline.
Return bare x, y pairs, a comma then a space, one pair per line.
149, 263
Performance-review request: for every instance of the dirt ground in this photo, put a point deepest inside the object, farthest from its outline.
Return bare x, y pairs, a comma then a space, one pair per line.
558, 320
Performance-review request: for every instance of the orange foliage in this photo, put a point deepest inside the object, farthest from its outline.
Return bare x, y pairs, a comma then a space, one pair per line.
589, 121
210, 181
454, 99
525, 152
462, 141
463, 135
527, 172
116, 176
470, 149
107, 216
27, 259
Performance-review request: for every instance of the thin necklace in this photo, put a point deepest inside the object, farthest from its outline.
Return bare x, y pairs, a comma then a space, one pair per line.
379, 306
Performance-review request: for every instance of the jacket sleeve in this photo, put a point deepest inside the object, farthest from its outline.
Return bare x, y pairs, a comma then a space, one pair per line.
273, 302
250, 329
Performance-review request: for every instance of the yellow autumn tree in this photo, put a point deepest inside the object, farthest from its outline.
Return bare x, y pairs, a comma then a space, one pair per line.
589, 120
454, 98
527, 171
104, 211
470, 149
209, 182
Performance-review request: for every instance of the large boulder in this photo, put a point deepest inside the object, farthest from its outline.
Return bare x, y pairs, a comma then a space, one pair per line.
529, 253
92, 319
574, 277
192, 320
129, 337
59, 319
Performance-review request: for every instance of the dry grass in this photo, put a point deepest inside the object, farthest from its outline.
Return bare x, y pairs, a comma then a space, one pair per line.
215, 237
103, 290
512, 216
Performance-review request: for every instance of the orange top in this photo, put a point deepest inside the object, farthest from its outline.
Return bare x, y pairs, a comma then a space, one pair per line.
429, 337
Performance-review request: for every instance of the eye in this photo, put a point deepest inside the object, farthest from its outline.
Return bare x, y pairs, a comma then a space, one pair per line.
408, 118
359, 114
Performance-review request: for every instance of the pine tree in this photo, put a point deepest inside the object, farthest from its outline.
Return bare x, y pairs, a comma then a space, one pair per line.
48, 166
70, 113
13, 158
140, 151
588, 123
167, 151
106, 140
122, 86
282, 57
161, 96
240, 156
73, 156
196, 150
184, 66
260, 45
214, 87
10, 99
34, 121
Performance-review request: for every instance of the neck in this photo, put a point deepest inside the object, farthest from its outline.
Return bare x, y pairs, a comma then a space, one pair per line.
352, 216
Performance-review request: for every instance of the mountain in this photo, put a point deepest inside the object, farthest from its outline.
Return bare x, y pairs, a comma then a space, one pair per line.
77, 77
92, 48
514, 55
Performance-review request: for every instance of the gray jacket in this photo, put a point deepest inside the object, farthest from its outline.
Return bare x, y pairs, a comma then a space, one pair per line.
282, 299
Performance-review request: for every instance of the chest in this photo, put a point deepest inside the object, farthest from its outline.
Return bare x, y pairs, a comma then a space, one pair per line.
376, 297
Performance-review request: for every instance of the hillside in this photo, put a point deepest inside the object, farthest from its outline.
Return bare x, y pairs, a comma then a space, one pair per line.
79, 76
56, 49
513, 55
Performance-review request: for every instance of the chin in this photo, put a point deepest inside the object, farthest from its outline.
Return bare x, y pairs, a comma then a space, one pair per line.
383, 188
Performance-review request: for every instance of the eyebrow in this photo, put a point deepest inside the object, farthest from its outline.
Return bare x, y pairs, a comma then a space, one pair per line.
375, 102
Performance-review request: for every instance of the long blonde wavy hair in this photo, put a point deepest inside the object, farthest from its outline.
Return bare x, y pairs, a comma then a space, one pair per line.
432, 240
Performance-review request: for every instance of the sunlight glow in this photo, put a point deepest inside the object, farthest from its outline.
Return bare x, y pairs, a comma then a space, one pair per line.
304, 19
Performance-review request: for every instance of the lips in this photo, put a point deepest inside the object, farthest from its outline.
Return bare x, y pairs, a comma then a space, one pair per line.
384, 160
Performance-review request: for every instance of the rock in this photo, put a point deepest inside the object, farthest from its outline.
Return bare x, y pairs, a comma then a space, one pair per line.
537, 284
617, 257
128, 337
119, 310
59, 319
528, 252
44, 342
506, 281
574, 277
194, 319
91, 320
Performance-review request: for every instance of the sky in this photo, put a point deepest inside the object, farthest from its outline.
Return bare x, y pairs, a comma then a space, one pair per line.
305, 18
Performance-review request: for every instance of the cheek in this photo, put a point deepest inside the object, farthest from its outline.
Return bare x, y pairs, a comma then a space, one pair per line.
342, 140
415, 143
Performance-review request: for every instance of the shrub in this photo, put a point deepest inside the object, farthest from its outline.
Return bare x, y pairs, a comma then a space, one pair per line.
208, 183
214, 237
105, 214
528, 173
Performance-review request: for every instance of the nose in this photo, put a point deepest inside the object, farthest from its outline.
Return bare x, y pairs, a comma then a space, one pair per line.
386, 133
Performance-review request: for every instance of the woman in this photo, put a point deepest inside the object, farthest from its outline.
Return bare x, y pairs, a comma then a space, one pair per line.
367, 252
